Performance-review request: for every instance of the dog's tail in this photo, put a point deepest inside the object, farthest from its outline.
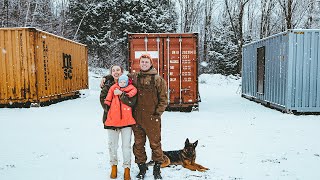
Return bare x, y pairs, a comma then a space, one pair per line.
165, 163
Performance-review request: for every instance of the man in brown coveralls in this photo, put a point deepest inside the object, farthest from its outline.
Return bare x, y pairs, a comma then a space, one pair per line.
151, 103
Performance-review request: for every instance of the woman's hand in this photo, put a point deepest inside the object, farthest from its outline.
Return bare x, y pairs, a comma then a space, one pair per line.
117, 92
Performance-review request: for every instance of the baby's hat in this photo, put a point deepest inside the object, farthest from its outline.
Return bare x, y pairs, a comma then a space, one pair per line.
123, 77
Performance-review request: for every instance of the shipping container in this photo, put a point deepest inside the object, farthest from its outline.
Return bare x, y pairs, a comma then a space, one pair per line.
175, 56
283, 71
39, 67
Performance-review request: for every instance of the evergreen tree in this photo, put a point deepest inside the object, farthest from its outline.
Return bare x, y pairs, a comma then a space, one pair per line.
42, 16
4, 12
104, 25
222, 54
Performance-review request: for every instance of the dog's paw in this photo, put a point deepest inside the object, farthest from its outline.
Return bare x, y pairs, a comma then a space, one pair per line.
203, 169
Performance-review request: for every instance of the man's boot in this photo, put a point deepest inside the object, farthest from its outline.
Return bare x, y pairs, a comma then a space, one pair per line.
143, 169
113, 174
156, 170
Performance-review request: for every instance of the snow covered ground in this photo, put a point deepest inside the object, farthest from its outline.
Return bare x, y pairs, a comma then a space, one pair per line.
238, 139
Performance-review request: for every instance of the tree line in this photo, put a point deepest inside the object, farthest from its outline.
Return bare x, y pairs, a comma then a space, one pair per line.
224, 26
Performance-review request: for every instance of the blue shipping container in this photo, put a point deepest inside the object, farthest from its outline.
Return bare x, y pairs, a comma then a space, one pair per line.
283, 71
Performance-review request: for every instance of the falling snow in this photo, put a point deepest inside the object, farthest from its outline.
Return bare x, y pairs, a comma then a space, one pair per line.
238, 139
204, 64
4, 51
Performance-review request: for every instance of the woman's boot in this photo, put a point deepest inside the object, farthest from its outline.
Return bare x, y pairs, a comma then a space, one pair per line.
114, 171
126, 175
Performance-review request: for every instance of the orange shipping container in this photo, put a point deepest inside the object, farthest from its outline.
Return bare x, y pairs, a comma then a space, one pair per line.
37, 67
175, 56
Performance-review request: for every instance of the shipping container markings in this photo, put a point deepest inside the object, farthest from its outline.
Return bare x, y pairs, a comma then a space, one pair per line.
186, 61
67, 66
186, 67
187, 79
185, 56
45, 64
174, 61
184, 52
186, 73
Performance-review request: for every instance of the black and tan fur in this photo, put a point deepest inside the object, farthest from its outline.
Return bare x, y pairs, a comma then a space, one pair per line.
185, 157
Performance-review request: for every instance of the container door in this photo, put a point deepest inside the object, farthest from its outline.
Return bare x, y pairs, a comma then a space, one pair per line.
181, 70
16, 68
151, 45
261, 69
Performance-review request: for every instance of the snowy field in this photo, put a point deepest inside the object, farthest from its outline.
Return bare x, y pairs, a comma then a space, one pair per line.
238, 139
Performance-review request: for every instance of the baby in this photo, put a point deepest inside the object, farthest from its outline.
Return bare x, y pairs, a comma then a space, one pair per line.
120, 114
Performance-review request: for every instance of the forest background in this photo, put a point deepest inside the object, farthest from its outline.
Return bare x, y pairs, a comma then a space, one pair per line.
224, 26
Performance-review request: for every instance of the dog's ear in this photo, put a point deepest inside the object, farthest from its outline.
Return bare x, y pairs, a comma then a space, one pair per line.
195, 144
187, 142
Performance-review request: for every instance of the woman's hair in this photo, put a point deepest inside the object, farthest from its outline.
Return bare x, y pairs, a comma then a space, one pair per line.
118, 66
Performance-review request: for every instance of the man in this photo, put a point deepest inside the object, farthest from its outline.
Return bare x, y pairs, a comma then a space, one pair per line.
151, 103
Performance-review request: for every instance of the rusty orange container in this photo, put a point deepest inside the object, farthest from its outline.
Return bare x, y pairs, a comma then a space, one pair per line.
38, 67
175, 56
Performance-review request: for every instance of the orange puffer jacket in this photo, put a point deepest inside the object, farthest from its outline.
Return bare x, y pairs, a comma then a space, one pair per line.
119, 114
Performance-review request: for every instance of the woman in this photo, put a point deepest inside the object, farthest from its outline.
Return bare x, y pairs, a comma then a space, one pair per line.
114, 132
108, 81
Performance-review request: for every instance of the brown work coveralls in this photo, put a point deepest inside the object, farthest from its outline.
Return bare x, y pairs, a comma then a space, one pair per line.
151, 103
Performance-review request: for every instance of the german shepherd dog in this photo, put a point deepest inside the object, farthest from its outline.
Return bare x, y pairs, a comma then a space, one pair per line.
185, 157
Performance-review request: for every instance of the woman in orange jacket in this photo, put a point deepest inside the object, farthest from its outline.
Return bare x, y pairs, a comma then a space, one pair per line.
120, 118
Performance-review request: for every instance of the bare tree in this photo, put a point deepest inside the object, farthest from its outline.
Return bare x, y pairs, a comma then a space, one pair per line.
251, 20
288, 7
312, 15
316, 17
27, 13
190, 12
62, 17
265, 23
293, 12
209, 5
235, 10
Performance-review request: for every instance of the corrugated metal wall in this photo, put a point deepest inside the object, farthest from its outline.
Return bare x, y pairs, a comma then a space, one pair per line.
17, 66
304, 71
37, 66
292, 71
63, 66
175, 56
275, 69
